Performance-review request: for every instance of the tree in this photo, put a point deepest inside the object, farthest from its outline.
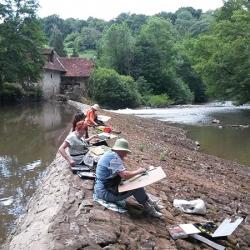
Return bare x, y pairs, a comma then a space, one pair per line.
87, 39
21, 40
155, 60
226, 70
96, 23
50, 22
154, 53
116, 48
133, 21
56, 41
227, 10
112, 90
72, 25
186, 72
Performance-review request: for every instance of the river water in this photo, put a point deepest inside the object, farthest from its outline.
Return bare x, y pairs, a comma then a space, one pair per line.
29, 139
226, 139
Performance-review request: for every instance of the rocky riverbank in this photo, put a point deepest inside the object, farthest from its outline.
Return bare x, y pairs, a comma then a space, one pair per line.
63, 215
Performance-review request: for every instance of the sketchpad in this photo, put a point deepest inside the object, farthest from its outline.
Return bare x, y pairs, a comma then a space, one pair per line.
142, 180
103, 118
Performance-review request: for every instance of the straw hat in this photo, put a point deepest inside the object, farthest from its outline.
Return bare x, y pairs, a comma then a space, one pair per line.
95, 107
121, 145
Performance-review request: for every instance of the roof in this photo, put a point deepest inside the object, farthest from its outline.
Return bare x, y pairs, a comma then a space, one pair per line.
47, 51
76, 67
53, 64
72, 67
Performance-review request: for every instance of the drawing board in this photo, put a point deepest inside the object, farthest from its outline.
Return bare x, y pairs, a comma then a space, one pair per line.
142, 180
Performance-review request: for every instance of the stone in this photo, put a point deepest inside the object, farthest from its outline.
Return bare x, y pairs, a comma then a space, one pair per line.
74, 228
87, 203
99, 215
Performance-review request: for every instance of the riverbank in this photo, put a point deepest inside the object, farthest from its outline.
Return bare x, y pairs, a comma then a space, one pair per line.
62, 214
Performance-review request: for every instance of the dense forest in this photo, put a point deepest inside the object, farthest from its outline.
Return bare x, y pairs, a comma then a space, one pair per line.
169, 58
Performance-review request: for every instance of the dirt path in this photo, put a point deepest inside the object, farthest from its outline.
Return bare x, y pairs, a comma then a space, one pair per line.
79, 223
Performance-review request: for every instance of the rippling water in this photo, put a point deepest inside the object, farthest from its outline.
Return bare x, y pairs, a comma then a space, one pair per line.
226, 139
29, 138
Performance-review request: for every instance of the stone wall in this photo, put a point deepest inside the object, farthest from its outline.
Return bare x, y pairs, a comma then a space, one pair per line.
50, 83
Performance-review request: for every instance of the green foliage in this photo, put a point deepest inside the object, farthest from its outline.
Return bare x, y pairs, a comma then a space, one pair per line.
116, 48
141, 147
226, 70
227, 10
87, 39
32, 92
74, 53
162, 156
11, 92
112, 90
143, 86
50, 23
21, 40
157, 101
56, 41
187, 55
154, 53
96, 23
187, 73
134, 21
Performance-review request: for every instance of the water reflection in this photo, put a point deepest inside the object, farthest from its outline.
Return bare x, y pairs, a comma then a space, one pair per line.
29, 137
228, 143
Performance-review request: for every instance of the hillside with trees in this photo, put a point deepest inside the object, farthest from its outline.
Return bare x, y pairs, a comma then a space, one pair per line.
170, 58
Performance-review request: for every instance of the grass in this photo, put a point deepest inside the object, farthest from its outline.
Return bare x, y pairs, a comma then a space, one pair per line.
163, 157
141, 147
89, 54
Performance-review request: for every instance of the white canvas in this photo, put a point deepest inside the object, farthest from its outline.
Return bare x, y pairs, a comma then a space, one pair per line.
140, 180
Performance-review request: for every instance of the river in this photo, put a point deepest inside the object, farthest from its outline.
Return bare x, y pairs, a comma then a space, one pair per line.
225, 139
29, 138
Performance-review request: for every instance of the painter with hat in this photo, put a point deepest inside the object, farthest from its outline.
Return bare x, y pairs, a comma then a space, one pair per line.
109, 173
91, 116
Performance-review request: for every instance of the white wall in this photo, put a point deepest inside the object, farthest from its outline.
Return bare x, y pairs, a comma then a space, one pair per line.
50, 83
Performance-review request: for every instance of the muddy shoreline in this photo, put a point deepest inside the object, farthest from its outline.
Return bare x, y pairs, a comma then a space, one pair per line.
63, 215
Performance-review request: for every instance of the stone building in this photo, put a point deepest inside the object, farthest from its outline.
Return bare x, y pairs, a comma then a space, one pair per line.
64, 75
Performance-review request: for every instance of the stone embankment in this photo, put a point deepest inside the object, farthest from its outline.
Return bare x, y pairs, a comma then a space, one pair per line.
62, 214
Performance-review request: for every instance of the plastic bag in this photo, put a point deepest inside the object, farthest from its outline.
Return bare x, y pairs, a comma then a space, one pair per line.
190, 207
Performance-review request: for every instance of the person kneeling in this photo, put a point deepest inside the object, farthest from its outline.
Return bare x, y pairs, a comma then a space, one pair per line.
109, 172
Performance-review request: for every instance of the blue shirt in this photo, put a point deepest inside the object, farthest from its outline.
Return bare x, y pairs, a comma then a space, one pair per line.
108, 167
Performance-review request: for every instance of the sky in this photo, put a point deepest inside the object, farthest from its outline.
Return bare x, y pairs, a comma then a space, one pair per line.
109, 9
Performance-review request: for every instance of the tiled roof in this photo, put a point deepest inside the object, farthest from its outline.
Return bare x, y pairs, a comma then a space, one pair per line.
52, 60
76, 67
56, 65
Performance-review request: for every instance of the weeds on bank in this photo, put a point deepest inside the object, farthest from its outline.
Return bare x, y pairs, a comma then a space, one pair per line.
162, 156
141, 147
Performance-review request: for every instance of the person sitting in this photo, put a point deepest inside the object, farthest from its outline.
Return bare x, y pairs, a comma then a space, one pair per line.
91, 116
109, 172
77, 146
79, 117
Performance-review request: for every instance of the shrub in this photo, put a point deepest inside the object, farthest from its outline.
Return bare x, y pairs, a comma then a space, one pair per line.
158, 101
11, 92
33, 93
112, 90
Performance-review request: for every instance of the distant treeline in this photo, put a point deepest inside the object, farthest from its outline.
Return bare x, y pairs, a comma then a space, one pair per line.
169, 58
